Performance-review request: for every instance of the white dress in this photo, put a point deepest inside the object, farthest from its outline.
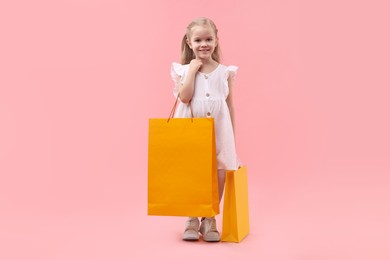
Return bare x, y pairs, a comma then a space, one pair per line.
209, 100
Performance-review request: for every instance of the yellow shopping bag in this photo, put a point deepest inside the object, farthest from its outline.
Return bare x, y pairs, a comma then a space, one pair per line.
235, 225
182, 169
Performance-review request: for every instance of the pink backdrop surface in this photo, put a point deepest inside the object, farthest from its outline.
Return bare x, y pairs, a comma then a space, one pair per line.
79, 80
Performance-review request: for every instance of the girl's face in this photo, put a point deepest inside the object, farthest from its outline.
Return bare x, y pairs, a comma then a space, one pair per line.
202, 41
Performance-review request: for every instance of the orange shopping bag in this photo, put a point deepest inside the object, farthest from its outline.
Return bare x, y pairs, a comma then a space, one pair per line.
235, 225
182, 169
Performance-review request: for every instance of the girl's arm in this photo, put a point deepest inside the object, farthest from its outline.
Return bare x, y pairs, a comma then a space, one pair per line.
186, 90
229, 101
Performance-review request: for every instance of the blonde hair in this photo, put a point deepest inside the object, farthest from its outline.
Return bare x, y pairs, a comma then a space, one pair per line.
187, 54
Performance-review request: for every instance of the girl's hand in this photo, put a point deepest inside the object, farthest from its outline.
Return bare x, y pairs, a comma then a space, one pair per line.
195, 65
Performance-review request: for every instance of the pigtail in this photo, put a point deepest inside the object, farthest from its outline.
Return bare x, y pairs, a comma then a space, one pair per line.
186, 52
217, 54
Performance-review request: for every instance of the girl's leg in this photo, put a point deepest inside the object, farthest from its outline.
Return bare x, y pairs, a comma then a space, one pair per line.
221, 182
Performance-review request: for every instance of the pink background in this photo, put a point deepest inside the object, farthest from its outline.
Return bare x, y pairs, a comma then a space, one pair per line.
79, 80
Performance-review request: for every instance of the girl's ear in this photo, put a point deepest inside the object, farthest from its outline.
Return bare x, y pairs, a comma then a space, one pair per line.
189, 43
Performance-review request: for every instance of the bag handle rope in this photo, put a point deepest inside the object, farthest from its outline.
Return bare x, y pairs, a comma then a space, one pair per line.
174, 109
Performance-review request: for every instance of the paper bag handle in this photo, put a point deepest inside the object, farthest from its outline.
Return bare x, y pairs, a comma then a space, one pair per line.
174, 109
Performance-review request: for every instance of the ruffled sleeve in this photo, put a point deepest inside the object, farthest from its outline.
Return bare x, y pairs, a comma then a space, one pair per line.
230, 71
177, 72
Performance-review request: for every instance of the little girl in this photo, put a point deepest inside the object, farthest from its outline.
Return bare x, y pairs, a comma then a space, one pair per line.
206, 86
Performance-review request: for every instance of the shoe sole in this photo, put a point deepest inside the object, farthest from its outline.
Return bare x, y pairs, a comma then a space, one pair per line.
211, 240
190, 238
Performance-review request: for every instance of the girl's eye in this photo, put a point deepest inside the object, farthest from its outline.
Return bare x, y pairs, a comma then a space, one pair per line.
197, 40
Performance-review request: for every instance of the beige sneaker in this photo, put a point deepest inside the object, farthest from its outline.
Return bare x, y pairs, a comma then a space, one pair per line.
209, 231
191, 232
